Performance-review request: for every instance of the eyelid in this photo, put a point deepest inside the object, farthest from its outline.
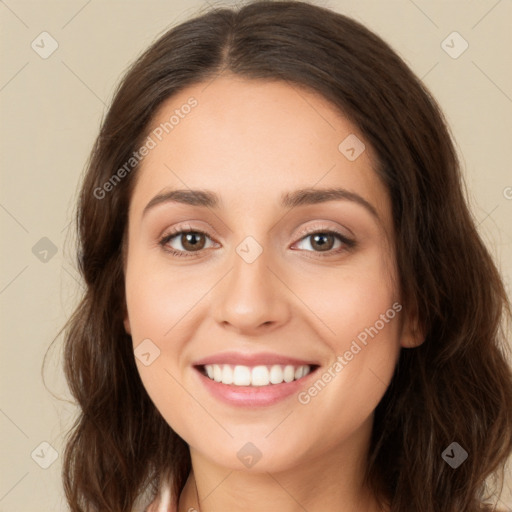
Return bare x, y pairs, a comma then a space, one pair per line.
187, 226
306, 231
324, 227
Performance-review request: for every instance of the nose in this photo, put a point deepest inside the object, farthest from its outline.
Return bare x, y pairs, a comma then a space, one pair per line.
253, 297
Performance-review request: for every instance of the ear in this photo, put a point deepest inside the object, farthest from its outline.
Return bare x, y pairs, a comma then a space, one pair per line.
413, 332
127, 326
126, 322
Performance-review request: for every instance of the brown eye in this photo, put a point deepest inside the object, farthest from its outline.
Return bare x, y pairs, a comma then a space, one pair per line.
329, 242
193, 241
183, 243
322, 241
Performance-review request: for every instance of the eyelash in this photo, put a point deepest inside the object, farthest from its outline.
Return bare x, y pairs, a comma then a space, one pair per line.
348, 243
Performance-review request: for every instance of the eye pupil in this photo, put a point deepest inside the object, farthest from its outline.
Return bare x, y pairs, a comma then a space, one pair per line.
191, 241
323, 246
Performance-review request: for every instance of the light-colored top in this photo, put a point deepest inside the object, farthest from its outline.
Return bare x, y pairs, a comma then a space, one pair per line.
164, 502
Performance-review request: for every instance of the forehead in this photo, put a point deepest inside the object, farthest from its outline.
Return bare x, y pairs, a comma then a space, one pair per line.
252, 140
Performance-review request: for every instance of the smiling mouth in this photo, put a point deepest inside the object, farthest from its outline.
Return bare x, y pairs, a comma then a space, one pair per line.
255, 376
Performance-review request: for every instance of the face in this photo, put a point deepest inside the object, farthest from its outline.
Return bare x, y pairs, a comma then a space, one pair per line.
267, 283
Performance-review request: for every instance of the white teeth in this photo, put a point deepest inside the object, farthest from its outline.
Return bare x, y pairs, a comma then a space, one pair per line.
242, 376
289, 373
276, 374
217, 373
257, 375
227, 374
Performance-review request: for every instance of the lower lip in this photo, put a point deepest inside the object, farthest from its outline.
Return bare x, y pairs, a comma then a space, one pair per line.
253, 396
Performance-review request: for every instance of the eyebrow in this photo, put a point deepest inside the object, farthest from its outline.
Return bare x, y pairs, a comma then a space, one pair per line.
300, 197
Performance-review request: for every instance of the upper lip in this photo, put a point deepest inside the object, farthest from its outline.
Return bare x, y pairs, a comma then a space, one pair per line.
244, 359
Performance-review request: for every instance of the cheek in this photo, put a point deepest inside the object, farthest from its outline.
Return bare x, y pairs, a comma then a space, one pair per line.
360, 322
350, 298
346, 392
162, 306
159, 299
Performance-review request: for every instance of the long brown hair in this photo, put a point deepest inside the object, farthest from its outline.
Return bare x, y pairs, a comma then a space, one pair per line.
455, 387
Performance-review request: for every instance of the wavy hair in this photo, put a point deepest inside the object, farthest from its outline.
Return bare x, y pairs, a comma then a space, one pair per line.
456, 386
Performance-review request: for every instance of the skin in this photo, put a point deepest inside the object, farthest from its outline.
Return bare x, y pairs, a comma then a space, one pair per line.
250, 141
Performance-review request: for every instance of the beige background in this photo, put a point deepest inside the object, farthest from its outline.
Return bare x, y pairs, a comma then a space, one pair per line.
51, 110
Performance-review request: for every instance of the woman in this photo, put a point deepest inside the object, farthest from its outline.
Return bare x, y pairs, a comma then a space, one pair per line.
288, 305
